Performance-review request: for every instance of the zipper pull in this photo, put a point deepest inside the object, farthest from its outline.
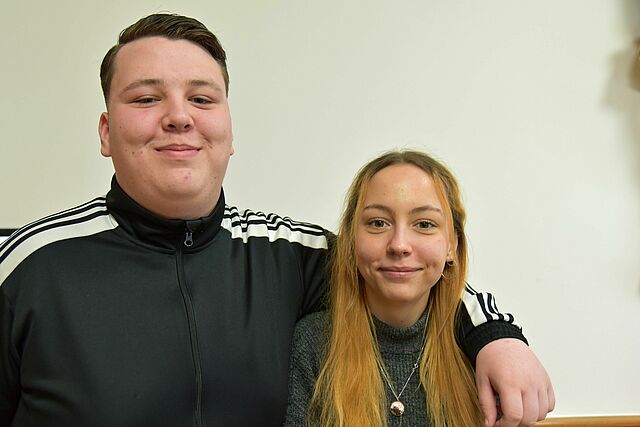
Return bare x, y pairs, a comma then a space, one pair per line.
188, 238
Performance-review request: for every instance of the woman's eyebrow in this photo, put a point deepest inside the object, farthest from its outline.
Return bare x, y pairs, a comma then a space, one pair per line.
417, 209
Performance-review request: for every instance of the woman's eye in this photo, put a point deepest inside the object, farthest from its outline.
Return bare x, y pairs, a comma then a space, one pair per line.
377, 223
425, 225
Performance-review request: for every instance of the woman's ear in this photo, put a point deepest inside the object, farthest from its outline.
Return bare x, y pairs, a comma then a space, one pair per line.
453, 248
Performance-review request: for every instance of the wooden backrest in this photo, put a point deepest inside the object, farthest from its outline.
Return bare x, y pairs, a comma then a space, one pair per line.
608, 421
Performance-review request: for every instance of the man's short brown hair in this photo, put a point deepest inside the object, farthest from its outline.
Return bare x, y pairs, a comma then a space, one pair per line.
170, 26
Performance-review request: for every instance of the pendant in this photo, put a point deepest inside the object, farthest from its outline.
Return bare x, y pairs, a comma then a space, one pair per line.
397, 408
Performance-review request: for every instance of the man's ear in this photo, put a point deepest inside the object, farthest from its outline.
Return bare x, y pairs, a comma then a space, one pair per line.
103, 131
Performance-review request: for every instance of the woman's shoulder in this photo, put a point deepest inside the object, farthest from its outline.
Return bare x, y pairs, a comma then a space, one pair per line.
313, 327
311, 335
309, 343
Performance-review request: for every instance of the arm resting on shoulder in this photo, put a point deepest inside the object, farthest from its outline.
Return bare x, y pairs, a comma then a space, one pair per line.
505, 365
479, 322
508, 368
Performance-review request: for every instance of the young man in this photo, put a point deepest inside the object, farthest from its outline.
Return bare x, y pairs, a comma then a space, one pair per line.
158, 305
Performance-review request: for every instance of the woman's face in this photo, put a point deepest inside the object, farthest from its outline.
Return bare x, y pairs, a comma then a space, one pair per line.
402, 243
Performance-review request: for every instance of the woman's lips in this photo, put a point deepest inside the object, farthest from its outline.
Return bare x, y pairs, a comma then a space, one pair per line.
399, 272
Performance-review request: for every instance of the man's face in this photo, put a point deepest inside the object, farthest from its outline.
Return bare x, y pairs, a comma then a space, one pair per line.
168, 127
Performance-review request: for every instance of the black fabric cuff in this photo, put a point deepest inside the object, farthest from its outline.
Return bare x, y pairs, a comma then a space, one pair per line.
485, 333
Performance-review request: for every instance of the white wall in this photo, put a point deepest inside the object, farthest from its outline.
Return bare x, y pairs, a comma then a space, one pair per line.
529, 102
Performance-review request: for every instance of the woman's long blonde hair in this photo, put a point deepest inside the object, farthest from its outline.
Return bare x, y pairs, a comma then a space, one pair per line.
349, 390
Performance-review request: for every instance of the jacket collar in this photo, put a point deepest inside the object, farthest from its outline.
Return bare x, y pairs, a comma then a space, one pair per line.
151, 230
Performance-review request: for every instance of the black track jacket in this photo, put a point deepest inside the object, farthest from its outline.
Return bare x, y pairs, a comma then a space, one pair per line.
112, 316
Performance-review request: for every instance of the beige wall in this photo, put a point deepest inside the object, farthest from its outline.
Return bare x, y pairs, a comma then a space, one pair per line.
529, 102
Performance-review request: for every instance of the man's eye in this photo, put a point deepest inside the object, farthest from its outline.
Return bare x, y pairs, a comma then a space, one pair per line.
145, 100
201, 100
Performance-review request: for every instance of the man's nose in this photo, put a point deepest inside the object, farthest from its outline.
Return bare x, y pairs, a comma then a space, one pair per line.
177, 117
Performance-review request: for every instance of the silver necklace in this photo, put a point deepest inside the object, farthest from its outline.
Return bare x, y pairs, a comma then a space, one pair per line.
397, 407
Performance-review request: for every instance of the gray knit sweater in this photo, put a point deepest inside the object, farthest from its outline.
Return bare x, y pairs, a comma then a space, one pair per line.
399, 349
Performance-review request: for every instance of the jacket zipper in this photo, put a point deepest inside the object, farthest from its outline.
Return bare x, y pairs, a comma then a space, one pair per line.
188, 238
191, 322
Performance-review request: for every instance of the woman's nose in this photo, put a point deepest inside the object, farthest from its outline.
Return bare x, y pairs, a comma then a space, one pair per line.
399, 243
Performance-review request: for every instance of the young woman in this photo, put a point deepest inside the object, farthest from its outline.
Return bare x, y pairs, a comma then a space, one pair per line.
385, 354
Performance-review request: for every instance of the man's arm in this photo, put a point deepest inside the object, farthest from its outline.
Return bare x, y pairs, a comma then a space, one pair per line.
508, 368
505, 365
9, 366
315, 273
480, 322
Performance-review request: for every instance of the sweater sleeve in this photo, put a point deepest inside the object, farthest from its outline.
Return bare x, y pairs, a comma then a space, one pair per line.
308, 341
9, 365
479, 322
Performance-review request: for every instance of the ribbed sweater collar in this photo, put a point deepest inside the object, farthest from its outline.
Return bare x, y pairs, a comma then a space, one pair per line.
400, 340
160, 233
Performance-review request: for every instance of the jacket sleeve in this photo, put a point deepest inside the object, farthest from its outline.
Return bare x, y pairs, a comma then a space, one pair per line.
479, 322
9, 364
314, 271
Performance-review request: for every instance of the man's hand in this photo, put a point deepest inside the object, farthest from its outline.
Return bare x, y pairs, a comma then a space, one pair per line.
507, 367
